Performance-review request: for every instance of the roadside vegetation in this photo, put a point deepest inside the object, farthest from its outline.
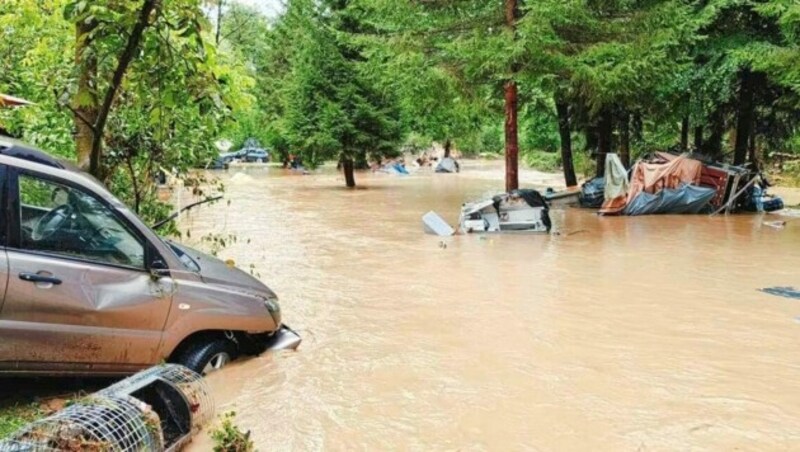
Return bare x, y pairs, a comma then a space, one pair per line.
229, 438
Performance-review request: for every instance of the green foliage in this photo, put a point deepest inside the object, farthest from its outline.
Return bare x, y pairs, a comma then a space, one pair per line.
543, 161
228, 438
36, 48
334, 108
177, 95
14, 417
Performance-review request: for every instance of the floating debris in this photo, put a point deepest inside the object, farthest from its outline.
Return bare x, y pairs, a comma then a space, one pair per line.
775, 224
786, 292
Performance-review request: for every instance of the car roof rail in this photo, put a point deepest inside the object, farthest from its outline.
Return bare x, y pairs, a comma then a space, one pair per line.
17, 149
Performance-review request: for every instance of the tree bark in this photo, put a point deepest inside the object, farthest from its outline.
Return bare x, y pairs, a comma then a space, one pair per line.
349, 175
625, 139
447, 146
512, 14
219, 20
713, 146
698, 137
685, 133
605, 131
638, 127
744, 123
85, 107
511, 137
128, 54
564, 131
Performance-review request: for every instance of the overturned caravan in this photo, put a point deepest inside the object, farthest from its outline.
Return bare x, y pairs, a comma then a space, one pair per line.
520, 210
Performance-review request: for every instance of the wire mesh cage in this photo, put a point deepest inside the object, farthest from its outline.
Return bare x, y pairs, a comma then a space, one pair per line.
157, 409
190, 384
115, 423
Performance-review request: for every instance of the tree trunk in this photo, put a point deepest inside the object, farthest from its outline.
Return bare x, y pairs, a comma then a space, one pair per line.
128, 54
512, 14
605, 131
447, 145
744, 123
85, 103
713, 146
512, 138
349, 176
698, 137
685, 134
219, 20
566, 143
590, 134
638, 127
625, 139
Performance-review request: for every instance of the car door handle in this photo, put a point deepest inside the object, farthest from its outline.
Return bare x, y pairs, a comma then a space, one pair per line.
34, 278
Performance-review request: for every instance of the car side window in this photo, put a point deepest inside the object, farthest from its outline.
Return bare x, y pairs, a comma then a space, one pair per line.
60, 219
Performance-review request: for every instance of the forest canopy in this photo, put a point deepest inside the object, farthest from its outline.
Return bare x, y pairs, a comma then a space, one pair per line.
127, 88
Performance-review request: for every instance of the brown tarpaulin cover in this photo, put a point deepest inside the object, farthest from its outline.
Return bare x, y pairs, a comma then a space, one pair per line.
654, 177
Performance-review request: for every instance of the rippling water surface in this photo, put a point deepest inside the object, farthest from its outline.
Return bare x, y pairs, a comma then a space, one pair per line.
620, 333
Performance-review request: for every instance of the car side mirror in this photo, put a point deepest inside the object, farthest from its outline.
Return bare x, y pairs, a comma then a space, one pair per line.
159, 268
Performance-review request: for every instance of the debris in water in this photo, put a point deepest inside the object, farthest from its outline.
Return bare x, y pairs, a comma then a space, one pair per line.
520, 210
775, 224
787, 292
435, 224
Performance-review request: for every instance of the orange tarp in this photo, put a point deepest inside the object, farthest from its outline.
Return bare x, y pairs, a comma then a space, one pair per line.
654, 177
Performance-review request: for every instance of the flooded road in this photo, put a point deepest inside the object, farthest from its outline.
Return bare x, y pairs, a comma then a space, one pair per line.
640, 333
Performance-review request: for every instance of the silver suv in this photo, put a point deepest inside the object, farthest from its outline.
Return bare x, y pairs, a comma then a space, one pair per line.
87, 288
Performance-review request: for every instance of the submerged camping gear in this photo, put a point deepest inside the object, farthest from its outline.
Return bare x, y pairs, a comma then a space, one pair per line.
520, 210
616, 187
592, 193
759, 201
670, 184
448, 165
685, 199
563, 198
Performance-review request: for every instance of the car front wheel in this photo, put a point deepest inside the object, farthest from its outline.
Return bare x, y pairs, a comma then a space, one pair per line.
205, 357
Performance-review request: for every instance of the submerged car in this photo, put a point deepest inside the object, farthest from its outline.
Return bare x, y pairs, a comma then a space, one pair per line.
87, 288
256, 155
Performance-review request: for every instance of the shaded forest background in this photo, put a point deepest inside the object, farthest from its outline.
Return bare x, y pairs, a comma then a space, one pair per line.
130, 87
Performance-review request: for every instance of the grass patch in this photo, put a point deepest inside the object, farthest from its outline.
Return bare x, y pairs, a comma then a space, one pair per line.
23, 400
14, 417
548, 162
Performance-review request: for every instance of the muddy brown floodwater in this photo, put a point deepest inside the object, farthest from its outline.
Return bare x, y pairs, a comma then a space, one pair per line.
641, 333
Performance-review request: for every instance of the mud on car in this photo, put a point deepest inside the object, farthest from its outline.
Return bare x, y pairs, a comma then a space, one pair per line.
87, 288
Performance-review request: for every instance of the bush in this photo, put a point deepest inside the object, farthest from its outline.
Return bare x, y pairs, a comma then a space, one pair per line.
542, 161
228, 437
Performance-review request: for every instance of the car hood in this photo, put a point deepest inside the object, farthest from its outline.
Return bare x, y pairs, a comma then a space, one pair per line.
215, 271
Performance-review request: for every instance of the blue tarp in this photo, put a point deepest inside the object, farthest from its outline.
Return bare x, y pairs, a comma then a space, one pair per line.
687, 199
592, 193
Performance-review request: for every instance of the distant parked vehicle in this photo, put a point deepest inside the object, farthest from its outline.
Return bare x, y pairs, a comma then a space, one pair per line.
256, 155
